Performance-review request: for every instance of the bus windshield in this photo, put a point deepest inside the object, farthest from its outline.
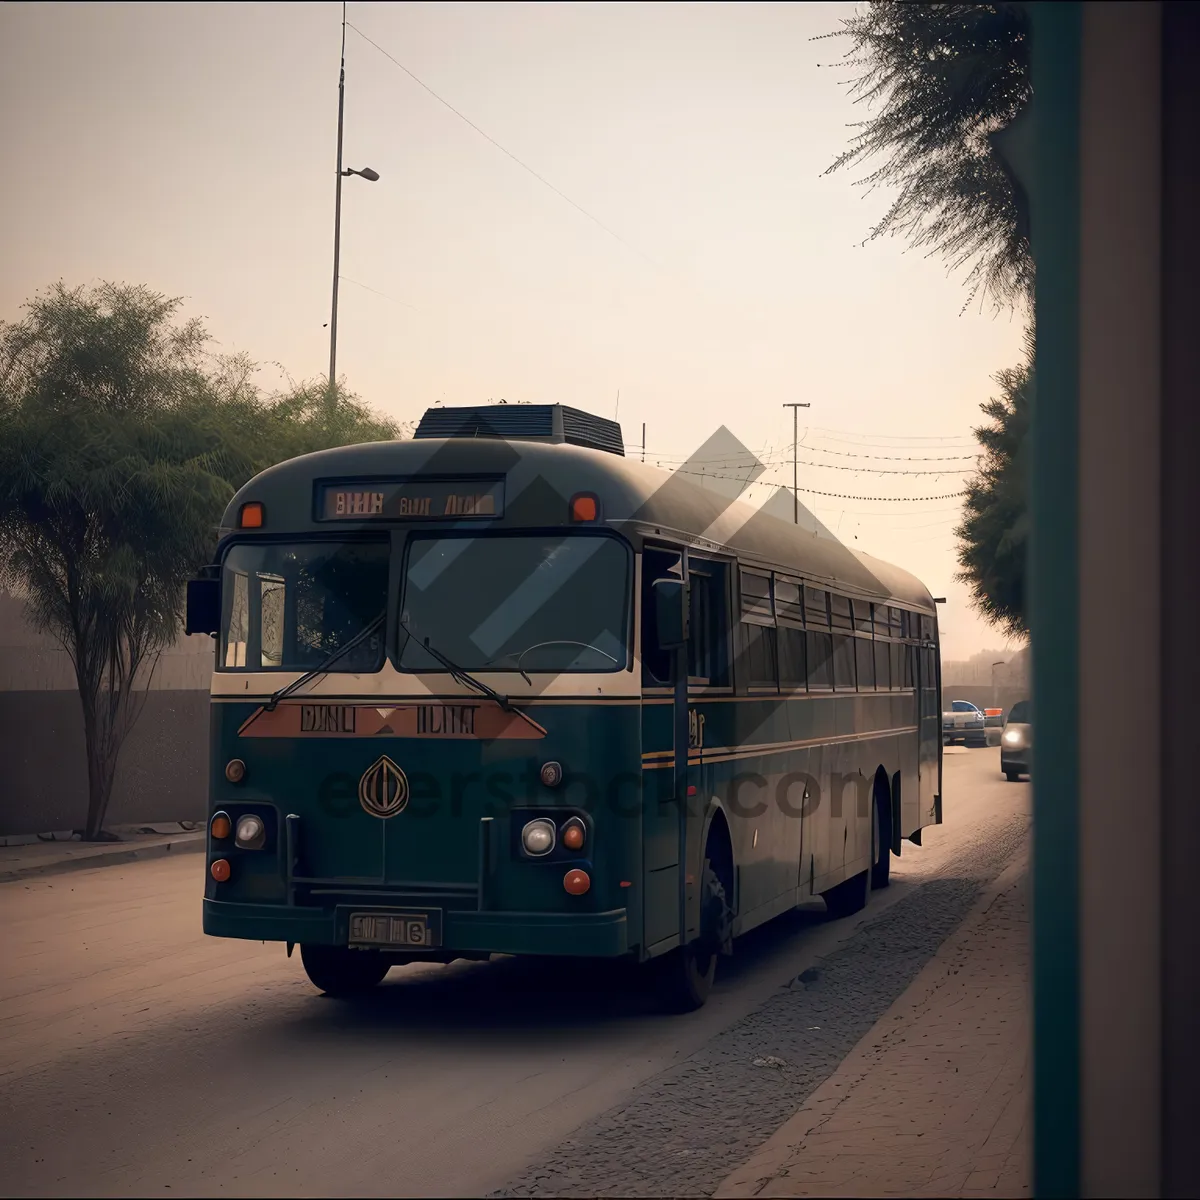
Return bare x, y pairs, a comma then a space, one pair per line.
288, 607
542, 604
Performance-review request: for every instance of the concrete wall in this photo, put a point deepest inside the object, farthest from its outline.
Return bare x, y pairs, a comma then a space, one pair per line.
162, 775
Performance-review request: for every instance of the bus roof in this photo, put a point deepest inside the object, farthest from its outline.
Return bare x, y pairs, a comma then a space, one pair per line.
539, 479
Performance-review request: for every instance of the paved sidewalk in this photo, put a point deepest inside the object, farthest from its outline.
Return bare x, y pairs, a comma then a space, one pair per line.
934, 1100
32, 858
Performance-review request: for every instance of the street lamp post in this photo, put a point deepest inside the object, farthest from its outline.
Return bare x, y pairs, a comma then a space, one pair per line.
994, 666
371, 177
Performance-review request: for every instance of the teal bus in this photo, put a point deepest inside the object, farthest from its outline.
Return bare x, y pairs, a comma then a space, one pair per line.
499, 689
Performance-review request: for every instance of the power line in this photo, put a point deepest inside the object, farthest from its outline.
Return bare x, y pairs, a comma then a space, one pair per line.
876, 470
896, 457
402, 303
857, 439
509, 154
837, 495
779, 459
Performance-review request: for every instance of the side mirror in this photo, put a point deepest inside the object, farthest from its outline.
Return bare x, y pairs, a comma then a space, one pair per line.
671, 613
203, 612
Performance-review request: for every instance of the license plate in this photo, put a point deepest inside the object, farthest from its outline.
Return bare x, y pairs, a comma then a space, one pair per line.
412, 930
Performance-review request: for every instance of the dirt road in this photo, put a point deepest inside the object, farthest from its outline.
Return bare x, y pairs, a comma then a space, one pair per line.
138, 1057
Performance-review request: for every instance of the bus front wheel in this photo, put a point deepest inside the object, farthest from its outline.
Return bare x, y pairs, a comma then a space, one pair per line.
339, 971
685, 976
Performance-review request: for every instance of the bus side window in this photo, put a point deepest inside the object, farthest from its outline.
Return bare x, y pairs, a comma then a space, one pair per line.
820, 656
761, 656
843, 663
793, 672
760, 667
708, 644
864, 653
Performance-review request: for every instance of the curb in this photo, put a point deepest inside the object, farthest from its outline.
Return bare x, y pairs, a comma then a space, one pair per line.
187, 843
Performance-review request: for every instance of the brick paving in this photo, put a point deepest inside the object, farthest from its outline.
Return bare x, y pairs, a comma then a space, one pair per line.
934, 1100
682, 1132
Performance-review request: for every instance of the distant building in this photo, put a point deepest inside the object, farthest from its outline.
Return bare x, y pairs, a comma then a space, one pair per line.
1012, 671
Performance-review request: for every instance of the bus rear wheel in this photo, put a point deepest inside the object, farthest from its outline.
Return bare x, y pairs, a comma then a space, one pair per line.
339, 971
684, 977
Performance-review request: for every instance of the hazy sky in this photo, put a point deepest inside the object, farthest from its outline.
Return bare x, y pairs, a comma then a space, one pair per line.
192, 148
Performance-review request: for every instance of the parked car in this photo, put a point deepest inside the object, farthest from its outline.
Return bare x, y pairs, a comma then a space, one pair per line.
964, 723
1016, 742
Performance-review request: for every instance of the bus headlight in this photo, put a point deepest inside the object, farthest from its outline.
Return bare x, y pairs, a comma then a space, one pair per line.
251, 833
537, 838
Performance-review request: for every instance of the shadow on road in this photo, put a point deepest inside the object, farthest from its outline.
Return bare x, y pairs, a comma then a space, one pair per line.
518, 994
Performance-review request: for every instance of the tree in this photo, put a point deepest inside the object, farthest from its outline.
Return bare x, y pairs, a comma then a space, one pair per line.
122, 438
995, 526
947, 78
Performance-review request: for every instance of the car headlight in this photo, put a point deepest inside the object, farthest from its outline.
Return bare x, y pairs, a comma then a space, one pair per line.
1012, 737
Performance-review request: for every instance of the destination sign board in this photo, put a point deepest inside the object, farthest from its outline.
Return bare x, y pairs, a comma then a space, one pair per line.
410, 500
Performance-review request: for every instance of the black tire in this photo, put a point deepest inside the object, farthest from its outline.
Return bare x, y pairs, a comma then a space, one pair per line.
1012, 776
881, 871
684, 978
848, 897
339, 971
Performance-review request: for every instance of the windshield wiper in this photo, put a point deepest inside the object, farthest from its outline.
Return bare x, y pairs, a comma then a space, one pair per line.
468, 680
284, 692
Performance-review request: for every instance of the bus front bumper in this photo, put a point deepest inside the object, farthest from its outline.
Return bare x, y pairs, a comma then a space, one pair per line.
575, 935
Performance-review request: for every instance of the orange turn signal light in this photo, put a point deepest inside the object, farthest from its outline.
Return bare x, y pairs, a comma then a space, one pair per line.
220, 870
576, 882
572, 835
221, 827
584, 508
251, 515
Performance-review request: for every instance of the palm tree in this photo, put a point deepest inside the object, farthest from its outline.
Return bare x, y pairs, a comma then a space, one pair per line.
944, 80
995, 528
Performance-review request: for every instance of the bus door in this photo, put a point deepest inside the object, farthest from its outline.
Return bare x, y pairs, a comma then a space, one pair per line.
664, 716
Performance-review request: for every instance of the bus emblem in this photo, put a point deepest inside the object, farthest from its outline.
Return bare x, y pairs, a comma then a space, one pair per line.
383, 789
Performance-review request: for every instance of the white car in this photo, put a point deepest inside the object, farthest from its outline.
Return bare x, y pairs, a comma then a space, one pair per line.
964, 723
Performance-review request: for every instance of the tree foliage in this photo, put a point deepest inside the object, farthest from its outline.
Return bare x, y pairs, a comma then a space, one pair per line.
122, 438
944, 80
994, 532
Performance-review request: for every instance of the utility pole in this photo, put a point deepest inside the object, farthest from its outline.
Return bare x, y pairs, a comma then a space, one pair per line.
795, 469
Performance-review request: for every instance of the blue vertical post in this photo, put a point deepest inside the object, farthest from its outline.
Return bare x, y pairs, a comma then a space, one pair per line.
1054, 599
